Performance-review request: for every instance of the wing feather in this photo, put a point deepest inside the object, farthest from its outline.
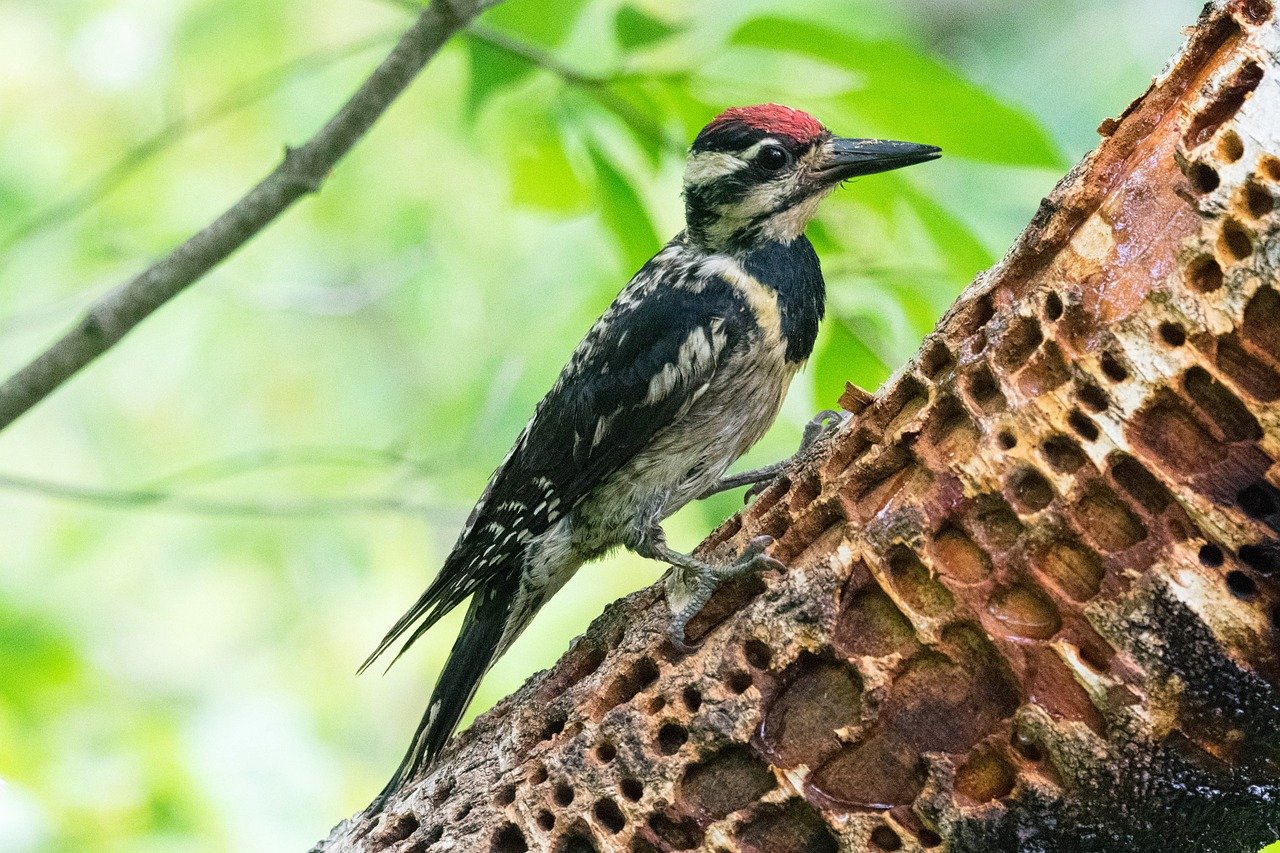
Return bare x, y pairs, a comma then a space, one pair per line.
644, 362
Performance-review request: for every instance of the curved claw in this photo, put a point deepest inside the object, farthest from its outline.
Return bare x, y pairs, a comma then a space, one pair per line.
754, 549
675, 633
765, 562
752, 559
826, 421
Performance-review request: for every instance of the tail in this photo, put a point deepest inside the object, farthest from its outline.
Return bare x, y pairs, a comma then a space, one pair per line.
449, 589
479, 642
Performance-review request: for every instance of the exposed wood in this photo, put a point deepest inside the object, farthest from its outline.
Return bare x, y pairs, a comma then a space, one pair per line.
1033, 590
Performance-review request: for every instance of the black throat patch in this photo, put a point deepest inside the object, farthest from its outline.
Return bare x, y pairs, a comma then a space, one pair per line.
793, 271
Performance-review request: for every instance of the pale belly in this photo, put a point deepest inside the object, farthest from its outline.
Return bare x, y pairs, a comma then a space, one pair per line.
688, 457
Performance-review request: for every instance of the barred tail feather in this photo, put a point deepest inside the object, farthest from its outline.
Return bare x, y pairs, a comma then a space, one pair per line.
478, 644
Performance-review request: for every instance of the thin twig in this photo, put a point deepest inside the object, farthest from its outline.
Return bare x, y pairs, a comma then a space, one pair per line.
301, 172
167, 492
533, 55
135, 158
161, 499
598, 87
253, 461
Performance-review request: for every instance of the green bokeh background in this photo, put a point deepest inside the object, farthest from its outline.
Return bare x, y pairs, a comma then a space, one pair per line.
203, 534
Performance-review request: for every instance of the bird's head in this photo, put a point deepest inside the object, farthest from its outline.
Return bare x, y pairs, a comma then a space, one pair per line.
757, 173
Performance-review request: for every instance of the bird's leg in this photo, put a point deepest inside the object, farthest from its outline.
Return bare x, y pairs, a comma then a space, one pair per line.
693, 580
821, 424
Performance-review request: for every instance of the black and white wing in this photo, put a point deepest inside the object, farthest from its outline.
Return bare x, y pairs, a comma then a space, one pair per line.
638, 370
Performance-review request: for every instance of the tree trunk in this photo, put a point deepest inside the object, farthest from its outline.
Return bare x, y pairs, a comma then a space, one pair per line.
1033, 591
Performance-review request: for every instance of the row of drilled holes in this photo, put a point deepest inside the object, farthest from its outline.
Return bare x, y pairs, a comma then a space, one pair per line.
1257, 502
1238, 582
670, 738
1173, 334
1203, 177
983, 389
1063, 452
1235, 241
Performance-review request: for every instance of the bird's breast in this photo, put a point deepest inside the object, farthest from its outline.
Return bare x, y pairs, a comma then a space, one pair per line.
728, 417
768, 336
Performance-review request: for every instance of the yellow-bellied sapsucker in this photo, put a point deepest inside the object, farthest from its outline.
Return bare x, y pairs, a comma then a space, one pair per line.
679, 377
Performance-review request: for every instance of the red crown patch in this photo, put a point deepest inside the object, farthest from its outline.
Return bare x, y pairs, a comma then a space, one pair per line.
773, 119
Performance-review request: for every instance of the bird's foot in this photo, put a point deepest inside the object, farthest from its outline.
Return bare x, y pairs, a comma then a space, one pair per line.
693, 582
819, 426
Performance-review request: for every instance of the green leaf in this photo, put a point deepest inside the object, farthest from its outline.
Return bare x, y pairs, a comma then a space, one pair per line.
963, 252
907, 95
632, 107
534, 20
624, 213
39, 663
669, 95
492, 69
844, 357
637, 29
541, 174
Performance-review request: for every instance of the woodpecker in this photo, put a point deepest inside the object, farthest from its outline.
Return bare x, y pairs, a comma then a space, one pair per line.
678, 378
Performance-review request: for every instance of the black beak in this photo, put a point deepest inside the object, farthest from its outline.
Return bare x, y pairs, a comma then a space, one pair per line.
850, 158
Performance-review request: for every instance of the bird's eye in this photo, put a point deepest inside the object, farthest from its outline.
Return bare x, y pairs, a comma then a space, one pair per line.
772, 158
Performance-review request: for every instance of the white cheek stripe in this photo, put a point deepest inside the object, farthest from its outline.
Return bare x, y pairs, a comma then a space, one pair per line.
751, 152
710, 165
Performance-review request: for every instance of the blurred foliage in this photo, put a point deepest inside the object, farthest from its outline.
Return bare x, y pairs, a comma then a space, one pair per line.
207, 530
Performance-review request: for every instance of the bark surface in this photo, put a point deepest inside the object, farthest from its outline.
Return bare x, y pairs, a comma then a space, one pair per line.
1032, 600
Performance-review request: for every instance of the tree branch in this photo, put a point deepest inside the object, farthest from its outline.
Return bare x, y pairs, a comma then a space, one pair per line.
169, 492
141, 153
302, 171
597, 87
165, 499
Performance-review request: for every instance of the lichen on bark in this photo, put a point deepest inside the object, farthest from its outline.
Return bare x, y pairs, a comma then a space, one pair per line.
1032, 597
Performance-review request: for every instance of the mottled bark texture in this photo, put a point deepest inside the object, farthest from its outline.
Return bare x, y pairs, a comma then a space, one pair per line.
1033, 590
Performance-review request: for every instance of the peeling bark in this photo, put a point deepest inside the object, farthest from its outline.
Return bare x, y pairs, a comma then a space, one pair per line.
1033, 591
